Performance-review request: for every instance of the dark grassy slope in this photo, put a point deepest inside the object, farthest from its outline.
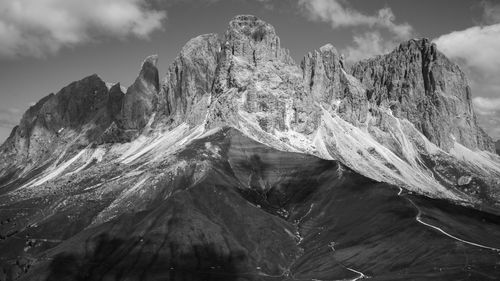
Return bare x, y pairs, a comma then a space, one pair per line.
260, 214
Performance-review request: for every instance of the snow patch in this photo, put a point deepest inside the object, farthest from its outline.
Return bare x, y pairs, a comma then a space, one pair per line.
481, 159
55, 172
358, 150
163, 143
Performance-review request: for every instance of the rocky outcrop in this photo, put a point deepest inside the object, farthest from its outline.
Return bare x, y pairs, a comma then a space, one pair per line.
139, 101
258, 83
255, 40
69, 120
418, 83
73, 107
321, 73
328, 84
82, 105
190, 78
115, 101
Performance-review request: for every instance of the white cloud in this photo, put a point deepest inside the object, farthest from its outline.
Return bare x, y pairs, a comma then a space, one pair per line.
488, 114
338, 14
487, 106
368, 45
478, 47
41, 27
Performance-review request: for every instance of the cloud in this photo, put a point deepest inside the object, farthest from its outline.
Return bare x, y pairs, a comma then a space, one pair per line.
488, 114
477, 47
491, 13
487, 106
368, 45
338, 14
41, 27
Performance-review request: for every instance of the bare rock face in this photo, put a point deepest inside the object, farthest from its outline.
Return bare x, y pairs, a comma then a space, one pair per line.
71, 119
74, 106
418, 83
328, 84
255, 40
141, 97
115, 101
258, 83
190, 78
321, 73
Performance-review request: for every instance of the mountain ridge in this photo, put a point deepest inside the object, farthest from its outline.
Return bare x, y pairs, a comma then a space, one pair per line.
246, 80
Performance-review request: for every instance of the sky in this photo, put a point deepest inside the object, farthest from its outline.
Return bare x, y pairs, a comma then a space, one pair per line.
46, 44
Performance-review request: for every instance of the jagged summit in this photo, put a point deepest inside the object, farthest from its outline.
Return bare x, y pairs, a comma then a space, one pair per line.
393, 118
138, 103
328, 48
151, 59
250, 37
418, 83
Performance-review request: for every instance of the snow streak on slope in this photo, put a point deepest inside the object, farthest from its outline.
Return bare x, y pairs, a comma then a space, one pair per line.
151, 148
146, 145
358, 150
54, 172
480, 159
337, 139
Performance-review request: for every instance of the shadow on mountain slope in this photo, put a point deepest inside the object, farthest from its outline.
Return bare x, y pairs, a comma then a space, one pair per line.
108, 262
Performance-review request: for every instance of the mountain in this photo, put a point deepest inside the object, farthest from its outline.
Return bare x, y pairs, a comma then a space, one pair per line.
497, 146
241, 164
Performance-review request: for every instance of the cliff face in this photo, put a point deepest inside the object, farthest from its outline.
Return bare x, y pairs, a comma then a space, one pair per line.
73, 118
190, 79
420, 84
255, 40
328, 83
257, 82
139, 101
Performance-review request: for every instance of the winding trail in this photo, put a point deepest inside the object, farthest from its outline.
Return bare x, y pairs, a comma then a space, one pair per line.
361, 275
418, 218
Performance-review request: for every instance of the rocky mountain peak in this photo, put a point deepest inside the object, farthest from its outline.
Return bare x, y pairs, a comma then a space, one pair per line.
418, 83
138, 103
66, 121
321, 72
250, 37
149, 73
190, 78
425, 51
150, 60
